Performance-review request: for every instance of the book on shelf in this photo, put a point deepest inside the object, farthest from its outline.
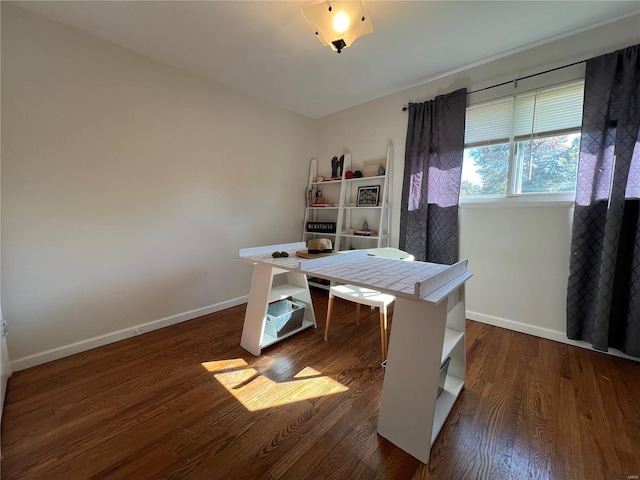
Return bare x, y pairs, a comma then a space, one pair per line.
364, 233
321, 227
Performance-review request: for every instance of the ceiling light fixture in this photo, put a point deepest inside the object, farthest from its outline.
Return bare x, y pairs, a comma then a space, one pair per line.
338, 23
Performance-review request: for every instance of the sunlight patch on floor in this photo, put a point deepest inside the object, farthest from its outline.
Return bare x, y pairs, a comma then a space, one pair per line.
225, 364
257, 392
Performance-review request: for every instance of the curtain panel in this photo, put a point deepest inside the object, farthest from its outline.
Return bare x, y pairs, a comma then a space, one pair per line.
603, 296
432, 173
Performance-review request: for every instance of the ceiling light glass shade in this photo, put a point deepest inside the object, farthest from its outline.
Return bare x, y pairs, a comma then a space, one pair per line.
338, 23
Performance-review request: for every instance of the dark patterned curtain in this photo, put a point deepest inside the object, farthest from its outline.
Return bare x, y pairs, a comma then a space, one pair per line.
432, 172
603, 299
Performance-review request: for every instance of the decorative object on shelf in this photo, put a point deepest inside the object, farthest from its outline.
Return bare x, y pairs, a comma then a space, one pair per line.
319, 198
341, 164
357, 174
334, 167
368, 196
381, 170
319, 179
338, 23
321, 227
348, 174
364, 233
365, 225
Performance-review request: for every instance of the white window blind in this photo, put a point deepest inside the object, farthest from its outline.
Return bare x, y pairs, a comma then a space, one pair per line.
530, 114
489, 122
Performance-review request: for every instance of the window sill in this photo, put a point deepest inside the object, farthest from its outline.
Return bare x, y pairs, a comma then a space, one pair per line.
535, 200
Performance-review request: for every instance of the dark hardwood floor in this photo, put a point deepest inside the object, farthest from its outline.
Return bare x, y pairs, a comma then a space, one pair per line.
187, 402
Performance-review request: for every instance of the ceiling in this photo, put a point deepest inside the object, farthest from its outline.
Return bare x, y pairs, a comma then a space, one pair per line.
266, 49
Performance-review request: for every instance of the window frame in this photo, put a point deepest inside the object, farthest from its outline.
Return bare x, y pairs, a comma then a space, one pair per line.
511, 198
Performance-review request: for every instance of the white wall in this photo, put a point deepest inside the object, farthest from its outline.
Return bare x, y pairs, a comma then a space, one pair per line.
519, 255
128, 187
5, 362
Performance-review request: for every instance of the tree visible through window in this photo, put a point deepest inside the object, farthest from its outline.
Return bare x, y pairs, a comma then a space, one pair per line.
484, 170
551, 166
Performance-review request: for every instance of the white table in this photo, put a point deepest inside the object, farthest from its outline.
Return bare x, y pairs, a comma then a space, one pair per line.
428, 328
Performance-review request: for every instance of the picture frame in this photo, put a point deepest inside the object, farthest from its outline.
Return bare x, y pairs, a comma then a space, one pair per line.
368, 196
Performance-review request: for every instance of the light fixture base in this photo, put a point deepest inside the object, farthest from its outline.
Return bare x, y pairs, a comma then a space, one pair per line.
339, 45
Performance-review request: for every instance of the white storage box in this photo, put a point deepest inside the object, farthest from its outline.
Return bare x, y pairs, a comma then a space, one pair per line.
283, 317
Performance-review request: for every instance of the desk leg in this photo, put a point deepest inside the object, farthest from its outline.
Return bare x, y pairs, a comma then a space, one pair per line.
254, 318
411, 378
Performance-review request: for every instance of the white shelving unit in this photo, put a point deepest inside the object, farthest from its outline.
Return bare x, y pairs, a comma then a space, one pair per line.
435, 332
270, 284
341, 208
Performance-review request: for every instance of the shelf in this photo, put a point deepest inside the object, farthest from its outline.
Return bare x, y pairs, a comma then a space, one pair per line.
263, 291
349, 235
284, 291
324, 208
360, 208
346, 233
451, 339
319, 233
270, 339
365, 179
452, 388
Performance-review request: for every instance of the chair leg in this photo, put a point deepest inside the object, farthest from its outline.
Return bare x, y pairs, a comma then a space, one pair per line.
357, 314
329, 312
383, 332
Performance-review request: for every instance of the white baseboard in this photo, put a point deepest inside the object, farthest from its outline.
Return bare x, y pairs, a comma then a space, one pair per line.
541, 332
99, 341
84, 345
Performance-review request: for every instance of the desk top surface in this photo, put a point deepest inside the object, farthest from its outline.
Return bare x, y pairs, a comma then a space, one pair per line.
409, 279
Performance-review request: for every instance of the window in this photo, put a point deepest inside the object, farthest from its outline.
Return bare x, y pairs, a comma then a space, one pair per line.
524, 144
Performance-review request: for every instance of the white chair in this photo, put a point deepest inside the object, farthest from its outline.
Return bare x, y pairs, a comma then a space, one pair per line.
367, 296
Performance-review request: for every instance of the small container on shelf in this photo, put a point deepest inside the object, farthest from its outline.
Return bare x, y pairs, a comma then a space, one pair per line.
283, 317
364, 233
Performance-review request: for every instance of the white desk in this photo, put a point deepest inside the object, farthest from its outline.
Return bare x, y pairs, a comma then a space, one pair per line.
428, 328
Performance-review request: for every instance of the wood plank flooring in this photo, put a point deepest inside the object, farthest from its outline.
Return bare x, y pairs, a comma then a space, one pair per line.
169, 405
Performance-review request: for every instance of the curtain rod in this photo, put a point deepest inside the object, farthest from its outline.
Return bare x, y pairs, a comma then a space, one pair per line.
516, 80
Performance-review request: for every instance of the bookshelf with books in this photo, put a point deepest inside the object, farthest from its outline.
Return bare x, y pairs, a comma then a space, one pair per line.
353, 211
